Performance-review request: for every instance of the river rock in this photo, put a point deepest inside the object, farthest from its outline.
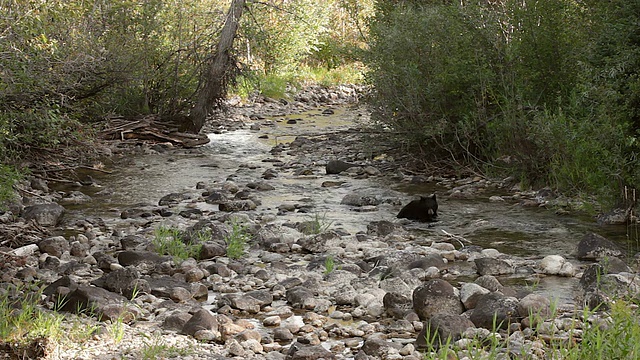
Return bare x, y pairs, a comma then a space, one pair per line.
44, 214
130, 242
443, 329
165, 287
211, 250
470, 293
359, 200
299, 351
201, 320
396, 304
299, 296
618, 216
316, 243
379, 347
427, 261
125, 282
594, 247
241, 302
436, 297
237, 205
556, 265
382, 228
75, 198
594, 272
338, 166
536, 306
176, 321
54, 246
494, 311
104, 261
104, 304
134, 257
492, 266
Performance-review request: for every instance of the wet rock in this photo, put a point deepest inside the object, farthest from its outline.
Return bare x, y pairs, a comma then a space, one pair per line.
338, 166
269, 174
230, 187
556, 265
495, 310
237, 205
594, 247
381, 228
300, 141
261, 185
619, 216
443, 329
139, 212
358, 200
191, 213
173, 199
75, 198
215, 197
436, 297
44, 214
54, 246
492, 266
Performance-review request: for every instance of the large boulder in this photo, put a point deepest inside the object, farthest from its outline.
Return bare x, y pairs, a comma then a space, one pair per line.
442, 329
436, 297
54, 246
556, 265
492, 266
338, 166
44, 214
495, 311
595, 247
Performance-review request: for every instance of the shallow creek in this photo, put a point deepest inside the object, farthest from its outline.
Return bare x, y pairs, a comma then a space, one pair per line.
243, 156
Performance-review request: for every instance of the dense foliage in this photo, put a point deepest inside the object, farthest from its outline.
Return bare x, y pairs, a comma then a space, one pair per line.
67, 65
546, 90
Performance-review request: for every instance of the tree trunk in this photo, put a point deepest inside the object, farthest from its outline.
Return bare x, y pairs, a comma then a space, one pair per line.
218, 73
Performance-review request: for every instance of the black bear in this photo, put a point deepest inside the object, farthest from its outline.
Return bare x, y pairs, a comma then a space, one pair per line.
425, 209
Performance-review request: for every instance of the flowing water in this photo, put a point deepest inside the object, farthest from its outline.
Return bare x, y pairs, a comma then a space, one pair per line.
243, 156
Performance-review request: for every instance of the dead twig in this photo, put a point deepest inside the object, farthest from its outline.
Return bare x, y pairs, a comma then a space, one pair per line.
461, 240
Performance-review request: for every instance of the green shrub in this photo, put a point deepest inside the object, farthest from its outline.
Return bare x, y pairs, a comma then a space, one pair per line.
9, 176
236, 240
168, 241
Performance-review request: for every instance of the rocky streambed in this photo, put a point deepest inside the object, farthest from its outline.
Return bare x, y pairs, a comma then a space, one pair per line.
328, 271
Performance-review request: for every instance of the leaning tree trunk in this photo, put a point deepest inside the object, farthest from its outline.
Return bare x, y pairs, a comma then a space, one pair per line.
218, 73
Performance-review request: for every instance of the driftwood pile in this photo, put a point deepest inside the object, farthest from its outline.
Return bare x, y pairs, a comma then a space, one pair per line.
151, 128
